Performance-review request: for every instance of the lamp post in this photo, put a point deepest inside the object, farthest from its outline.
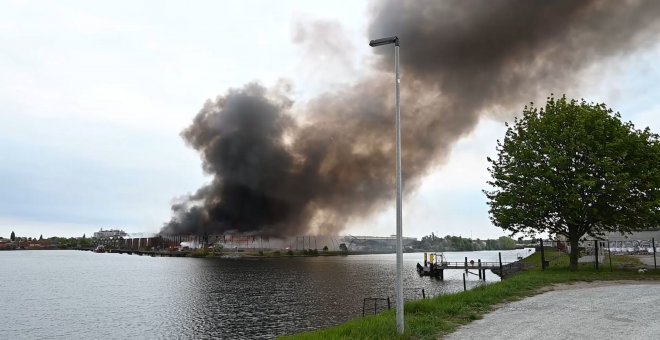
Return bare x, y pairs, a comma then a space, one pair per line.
399, 242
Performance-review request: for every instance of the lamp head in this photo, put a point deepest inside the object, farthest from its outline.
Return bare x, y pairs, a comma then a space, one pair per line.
385, 41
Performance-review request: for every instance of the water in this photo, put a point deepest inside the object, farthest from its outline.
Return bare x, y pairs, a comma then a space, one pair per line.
72, 294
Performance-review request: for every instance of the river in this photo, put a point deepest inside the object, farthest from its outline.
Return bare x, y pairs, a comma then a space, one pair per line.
77, 294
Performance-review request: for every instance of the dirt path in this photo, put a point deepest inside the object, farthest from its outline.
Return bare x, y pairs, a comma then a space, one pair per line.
597, 310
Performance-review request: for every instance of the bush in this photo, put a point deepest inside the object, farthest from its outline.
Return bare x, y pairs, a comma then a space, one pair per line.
202, 252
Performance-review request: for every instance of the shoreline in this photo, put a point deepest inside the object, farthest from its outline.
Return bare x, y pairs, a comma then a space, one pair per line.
442, 315
242, 253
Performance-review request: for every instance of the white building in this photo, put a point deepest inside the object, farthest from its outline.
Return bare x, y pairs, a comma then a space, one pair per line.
110, 233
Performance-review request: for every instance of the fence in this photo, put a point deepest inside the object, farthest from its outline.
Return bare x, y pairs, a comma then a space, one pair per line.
379, 304
599, 252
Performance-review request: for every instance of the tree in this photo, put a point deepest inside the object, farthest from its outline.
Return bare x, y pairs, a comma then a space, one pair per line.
12, 236
342, 247
574, 168
506, 243
41, 237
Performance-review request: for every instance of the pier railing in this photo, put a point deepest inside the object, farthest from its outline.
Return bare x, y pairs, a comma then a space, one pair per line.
475, 265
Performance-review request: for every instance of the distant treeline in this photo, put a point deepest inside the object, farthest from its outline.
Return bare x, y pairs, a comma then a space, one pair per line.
458, 243
15, 242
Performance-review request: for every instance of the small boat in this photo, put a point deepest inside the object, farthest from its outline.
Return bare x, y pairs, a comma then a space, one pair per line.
432, 265
100, 249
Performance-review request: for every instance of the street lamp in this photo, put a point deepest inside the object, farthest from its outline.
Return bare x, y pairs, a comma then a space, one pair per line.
399, 242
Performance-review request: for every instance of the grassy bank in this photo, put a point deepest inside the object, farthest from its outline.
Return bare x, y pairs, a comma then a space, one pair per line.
432, 318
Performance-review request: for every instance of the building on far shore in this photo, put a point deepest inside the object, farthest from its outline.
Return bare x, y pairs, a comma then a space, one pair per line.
110, 233
374, 243
6, 243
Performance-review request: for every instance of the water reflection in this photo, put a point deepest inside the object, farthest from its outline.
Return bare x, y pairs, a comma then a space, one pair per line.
71, 294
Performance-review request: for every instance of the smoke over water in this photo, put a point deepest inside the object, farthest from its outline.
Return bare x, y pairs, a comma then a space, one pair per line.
283, 170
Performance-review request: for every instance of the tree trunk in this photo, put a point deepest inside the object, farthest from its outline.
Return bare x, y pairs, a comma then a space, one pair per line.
575, 252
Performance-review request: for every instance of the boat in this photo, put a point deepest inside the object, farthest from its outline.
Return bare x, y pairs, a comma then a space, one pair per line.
433, 265
99, 249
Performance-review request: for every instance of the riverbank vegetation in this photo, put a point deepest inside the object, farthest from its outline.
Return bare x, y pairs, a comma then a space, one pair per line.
458, 243
17, 242
433, 318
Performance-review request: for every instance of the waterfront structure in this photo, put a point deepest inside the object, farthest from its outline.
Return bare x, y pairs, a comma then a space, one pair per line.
375, 243
109, 233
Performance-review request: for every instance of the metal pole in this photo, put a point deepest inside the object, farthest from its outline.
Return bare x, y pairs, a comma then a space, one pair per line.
479, 261
542, 254
609, 252
596, 252
399, 241
502, 270
655, 263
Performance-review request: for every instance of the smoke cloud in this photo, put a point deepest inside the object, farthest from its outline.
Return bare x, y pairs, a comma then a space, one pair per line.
283, 170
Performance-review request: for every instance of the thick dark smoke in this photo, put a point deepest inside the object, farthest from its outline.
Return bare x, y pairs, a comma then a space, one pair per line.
282, 174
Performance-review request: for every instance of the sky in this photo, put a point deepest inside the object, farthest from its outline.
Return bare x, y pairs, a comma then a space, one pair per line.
94, 96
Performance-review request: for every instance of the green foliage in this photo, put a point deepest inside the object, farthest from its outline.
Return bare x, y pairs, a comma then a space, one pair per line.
85, 242
573, 168
458, 243
325, 248
343, 247
218, 248
310, 252
12, 236
202, 252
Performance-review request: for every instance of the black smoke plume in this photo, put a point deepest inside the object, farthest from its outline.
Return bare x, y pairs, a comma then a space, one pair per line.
282, 170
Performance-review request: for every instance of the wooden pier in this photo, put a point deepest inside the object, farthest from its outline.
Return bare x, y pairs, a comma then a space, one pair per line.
436, 269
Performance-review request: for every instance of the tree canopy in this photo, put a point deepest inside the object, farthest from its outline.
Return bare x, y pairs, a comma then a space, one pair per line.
574, 168
12, 236
457, 243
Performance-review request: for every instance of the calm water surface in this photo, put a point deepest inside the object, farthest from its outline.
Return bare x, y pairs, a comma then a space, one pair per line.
75, 294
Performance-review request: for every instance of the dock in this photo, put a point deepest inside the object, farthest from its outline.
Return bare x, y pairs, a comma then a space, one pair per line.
435, 268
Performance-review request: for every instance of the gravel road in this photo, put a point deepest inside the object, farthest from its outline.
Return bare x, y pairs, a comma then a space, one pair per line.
601, 310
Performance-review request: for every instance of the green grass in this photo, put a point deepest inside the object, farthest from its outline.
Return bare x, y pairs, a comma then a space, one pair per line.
433, 318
